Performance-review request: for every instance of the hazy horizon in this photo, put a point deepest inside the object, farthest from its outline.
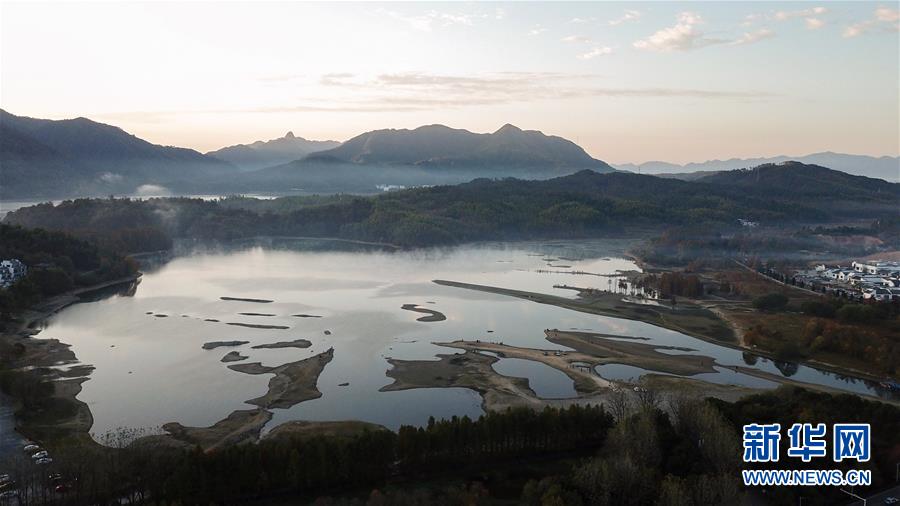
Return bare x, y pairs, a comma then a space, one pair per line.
629, 82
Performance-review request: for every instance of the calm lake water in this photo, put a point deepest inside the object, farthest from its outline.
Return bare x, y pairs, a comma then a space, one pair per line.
151, 369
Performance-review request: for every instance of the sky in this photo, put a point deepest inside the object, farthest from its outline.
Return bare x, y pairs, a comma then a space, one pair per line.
629, 82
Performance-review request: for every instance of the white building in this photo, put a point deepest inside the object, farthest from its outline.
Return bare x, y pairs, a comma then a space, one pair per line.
877, 267
11, 271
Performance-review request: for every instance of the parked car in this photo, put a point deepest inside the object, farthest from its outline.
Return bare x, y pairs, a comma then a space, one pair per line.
31, 448
40, 455
44, 461
891, 500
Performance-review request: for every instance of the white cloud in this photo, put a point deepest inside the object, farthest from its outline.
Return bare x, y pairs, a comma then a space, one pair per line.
426, 22
582, 20
885, 18
595, 52
420, 23
749, 19
577, 38
887, 14
802, 13
630, 15
683, 36
751, 37
857, 29
537, 30
814, 23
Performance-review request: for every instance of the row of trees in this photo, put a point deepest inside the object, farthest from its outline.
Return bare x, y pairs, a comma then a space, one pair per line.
653, 450
147, 471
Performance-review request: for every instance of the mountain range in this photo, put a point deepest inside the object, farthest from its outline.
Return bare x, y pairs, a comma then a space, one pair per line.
884, 167
261, 154
78, 157
442, 146
42, 158
54, 158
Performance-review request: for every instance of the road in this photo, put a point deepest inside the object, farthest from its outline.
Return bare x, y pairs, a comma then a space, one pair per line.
10, 440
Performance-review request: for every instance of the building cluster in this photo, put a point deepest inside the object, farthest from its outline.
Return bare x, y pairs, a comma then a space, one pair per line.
875, 280
11, 271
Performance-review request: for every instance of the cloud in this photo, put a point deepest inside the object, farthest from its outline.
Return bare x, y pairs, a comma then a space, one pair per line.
749, 19
413, 91
751, 37
595, 52
684, 36
582, 20
884, 18
630, 15
421, 91
537, 30
887, 14
802, 13
577, 38
814, 23
427, 21
811, 16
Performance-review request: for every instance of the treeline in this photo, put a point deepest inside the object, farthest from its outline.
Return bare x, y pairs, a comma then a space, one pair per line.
148, 472
56, 262
674, 283
645, 450
580, 205
789, 405
680, 245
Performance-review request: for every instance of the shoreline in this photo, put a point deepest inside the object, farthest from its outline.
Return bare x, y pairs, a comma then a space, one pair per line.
41, 354
606, 299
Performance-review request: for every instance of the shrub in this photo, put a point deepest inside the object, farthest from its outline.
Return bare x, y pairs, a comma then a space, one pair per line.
770, 302
816, 308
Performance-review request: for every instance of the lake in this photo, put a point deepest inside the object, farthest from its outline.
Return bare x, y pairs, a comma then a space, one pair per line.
151, 368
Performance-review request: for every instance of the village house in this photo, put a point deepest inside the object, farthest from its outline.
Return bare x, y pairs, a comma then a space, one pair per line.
11, 271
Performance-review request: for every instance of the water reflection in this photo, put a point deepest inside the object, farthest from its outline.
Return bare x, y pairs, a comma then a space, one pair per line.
151, 370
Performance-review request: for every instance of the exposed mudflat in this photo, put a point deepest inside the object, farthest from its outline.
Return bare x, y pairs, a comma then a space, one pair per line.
467, 370
297, 343
233, 356
258, 326
242, 299
431, 314
293, 383
240, 426
219, 344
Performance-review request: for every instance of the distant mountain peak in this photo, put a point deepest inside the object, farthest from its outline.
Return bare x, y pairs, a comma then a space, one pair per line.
508, 128
260, 154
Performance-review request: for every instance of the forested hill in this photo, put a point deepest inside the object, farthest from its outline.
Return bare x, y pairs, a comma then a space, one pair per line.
56, 262
795, 178
580, 205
